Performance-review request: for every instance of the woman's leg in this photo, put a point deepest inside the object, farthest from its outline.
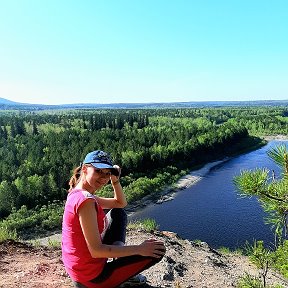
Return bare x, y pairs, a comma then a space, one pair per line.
115, 234
116, 230
122, 269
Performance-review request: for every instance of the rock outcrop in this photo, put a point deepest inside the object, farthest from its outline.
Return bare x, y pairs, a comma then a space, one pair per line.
196, 264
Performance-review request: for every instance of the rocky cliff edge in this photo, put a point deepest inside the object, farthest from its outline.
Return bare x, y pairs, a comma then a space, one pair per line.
186, 264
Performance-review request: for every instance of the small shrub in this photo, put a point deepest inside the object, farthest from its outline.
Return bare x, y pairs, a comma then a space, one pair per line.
6, 234
36, 243
262, 258
147, 224
248, 281
280, 257
54, 243
197, 241
224, 250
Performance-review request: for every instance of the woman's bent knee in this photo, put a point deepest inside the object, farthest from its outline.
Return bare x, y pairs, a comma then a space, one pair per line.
118, 213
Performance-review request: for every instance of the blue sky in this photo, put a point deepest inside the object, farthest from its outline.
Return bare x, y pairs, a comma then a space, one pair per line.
56, 52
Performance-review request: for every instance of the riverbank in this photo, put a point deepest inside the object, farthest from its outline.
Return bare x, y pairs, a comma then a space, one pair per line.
275, 137
194, 176
184, 182
169, 193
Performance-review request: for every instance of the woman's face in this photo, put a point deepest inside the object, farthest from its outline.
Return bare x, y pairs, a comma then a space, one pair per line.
96, 178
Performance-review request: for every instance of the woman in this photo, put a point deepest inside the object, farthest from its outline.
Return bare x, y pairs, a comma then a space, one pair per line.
90, 237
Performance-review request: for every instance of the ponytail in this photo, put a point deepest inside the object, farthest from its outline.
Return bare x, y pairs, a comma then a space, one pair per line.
75, 177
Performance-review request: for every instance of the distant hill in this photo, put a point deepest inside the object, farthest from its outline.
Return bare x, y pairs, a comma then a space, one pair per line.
7, 102
10, 105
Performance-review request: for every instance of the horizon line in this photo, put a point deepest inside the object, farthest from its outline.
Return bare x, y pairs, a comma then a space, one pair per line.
141, 103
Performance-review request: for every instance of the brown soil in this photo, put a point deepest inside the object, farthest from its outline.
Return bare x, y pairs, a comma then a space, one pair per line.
22, 265
186, 264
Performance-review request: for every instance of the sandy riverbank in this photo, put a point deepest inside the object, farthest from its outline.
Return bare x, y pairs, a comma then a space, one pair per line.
275, 137
186, 181
195, 176
169, 193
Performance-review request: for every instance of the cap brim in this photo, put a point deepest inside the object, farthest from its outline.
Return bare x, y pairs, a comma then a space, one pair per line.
114, 171
102, 165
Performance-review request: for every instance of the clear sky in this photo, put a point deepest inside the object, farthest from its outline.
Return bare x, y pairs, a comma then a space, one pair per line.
117, 51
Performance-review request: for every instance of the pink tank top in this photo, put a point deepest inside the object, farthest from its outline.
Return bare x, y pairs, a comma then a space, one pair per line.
78, 262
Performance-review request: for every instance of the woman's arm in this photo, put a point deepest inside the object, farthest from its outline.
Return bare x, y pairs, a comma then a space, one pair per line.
119, 200
89, 225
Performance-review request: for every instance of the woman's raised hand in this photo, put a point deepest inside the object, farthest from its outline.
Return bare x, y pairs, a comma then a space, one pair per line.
113, 177
152, 248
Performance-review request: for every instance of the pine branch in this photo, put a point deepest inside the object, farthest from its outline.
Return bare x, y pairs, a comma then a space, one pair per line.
273, 197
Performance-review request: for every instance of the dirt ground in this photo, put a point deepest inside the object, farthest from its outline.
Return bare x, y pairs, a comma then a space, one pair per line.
22, 265
186, 264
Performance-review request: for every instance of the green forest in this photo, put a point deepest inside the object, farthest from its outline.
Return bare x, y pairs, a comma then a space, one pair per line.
39, 150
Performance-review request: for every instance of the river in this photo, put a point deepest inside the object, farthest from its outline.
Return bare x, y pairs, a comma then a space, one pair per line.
212, 211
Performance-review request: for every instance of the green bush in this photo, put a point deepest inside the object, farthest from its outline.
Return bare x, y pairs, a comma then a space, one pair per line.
249, 281
22, 222
7, 234
280, 257
145, 224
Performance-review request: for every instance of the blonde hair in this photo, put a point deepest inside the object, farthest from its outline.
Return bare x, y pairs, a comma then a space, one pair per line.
75, 177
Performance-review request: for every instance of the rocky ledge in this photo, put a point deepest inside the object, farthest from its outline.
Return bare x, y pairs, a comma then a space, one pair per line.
186, 264
196, 264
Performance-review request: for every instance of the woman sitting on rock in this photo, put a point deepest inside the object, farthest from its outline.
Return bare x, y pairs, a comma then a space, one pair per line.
90, 237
